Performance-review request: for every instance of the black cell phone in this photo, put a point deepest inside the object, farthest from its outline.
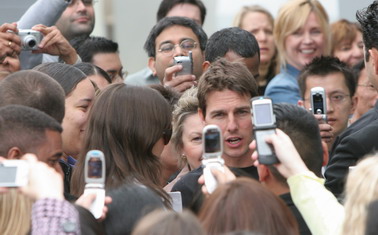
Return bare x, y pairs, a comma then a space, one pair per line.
264, 124
318, 101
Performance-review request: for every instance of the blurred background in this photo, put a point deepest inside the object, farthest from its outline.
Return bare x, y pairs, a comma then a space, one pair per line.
129, 22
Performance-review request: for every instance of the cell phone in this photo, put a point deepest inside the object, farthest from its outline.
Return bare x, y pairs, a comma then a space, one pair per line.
95, 180
318, 101
264, 124
186, 62
14, 173
212, 154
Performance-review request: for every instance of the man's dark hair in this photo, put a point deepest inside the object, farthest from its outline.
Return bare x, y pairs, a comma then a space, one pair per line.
87, 47
368, 19
323, 66
24, 127
33, 89
233, 39
303, 129
150, 46
91, 69
225, 75
138, 200
166, 5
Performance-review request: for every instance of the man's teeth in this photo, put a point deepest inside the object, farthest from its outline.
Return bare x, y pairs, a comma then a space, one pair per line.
234, 140
309, 51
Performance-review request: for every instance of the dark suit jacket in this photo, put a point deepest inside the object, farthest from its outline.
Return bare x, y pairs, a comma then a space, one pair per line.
365, 120
303, 228
350, 149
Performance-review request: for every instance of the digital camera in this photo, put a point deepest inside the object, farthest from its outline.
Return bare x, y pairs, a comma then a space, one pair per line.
30, 39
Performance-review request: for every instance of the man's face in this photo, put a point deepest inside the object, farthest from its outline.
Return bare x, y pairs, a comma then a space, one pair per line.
366, 94
186, 10
339, 101
251, 63
175, 35
231, 112
77, 20
111, 63
50, 151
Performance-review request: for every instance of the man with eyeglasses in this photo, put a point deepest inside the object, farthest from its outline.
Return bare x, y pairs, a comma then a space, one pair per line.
192, 9
73, 18
366, 95
337, 79
175, 36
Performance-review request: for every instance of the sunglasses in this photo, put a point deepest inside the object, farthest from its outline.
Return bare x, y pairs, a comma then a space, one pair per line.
167, 136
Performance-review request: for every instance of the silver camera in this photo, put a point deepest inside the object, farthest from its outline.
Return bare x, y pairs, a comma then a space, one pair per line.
30, 39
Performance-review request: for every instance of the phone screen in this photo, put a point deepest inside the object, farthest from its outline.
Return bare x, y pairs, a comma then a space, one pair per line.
212, 141
318, 104
262, 114
8, 174
262, 146
94, 168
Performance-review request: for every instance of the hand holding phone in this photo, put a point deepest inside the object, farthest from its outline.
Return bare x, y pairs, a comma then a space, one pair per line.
95, 180
264, 124
14, 173
212, 155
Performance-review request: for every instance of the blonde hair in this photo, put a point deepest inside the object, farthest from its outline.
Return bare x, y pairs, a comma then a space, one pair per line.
187, 105
291, 17
361, 189
15, 213
254, 8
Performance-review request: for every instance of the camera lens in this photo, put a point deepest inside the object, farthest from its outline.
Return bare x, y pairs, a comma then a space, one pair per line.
30, 41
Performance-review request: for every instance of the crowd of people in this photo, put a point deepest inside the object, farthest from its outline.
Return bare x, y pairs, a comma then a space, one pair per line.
69, 94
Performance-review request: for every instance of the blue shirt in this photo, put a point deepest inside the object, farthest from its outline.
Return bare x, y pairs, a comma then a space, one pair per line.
284, 88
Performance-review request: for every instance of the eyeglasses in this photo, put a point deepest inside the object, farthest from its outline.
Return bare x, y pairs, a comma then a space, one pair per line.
369, 86
114, 74
85, 2
185, 45
167, 136
337, 98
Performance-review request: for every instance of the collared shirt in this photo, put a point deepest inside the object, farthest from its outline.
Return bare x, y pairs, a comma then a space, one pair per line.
284, 88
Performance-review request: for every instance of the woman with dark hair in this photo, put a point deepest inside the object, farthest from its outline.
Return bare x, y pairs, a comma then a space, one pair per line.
245, 205
130, 125
95, 74
79, 92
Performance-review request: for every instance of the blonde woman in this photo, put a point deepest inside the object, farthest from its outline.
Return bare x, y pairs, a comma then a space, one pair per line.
300, 34
258, 21
187, 134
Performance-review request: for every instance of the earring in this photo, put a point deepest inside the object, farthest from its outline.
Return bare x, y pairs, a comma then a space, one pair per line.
183, 156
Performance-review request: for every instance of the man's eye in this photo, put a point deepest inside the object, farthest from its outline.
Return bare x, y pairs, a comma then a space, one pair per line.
166, 48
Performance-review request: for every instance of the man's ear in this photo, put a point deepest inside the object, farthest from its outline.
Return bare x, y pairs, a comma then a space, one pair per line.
325, 154
151, 65
205, 65
264, 173
14, 153
201, 115
374, 56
